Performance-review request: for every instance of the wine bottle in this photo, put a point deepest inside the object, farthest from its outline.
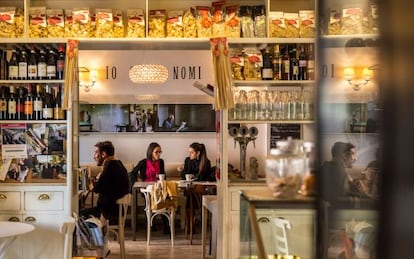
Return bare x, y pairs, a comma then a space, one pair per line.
3, 65
20, 104
23, 65
60, 62
311, 64
303, 64
3, 103
267, 69
48, 104
286, 64
277, 63
28, 104
51, 65
13, 66
58, 112
12, 104
38, 104
32, 65
294, 65
41, 65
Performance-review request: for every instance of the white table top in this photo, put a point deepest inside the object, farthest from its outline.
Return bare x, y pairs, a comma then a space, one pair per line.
10, 229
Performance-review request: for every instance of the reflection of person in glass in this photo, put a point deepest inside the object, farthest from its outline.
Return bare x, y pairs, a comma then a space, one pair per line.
169, 122
334, 171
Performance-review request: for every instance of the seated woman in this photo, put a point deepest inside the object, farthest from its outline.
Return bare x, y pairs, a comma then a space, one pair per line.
197, 163
150, 167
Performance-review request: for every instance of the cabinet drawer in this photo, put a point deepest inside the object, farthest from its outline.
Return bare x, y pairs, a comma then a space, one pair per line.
9, 201
43, 201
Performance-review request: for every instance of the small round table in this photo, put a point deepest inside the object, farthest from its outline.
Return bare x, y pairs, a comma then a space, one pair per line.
9, 231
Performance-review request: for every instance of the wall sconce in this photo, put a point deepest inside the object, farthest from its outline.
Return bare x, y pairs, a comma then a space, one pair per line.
356, 83
87, 78
148, 74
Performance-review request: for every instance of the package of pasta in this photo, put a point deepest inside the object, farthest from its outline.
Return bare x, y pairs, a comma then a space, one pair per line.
232, 21
259, 17
81, 22
204, 22
351, 21
253, 63
277, 26
119, 28
37, 22
237, 64
189, 24
156, 23
55, 23
307, 23
246, 22
19, 22
175, 24
136, 23
218, 17
68, 23
292, 25
92, 24
334, 24
7, 22
104, 23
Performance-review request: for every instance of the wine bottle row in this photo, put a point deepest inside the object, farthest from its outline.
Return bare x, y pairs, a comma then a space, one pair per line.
32, 62
34, 102
278, 62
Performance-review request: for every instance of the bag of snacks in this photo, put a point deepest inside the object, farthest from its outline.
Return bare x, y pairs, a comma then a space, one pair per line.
246, 22
334, 25
307, 23
237, 64
351, 21
253, 63
219, 25
81, 22
232, 22
119, 29
175, 24
156, 24
104, 23
204, 22
136, 23
259, 17
189, 24
68, 23
292, 25
277, 25
55, 23
37, 22
7, 22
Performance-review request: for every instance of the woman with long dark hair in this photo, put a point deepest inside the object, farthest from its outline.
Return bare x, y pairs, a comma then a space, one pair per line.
150, 167
197, 163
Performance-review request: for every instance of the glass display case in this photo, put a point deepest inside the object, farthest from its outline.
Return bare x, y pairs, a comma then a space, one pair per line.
272, 226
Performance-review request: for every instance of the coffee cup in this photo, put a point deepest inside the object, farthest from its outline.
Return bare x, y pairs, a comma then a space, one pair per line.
189, 177
161, 177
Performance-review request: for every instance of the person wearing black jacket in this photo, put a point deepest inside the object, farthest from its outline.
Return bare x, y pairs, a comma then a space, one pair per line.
197, 163
150, 167
111, 184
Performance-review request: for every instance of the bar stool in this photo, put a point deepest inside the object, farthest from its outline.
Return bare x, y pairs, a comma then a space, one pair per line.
119, 230
209, 205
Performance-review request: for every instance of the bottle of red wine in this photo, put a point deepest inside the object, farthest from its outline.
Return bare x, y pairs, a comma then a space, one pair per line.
267, 69
303, 64
48, 104
41, 65
38, 104
51, 65
20, 104
60, 62
12, 104
28, 104
13, 66
3, 103
23, 65
32, 65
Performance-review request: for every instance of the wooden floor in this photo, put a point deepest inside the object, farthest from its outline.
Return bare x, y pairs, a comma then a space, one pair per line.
160, 246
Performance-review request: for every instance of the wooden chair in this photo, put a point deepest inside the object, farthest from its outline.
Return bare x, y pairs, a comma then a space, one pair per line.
151, 213
119, 230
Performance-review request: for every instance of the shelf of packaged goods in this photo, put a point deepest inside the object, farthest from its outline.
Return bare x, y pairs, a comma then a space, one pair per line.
259, 41
271, 121
33, 121
267, 83
339, 41
23, 82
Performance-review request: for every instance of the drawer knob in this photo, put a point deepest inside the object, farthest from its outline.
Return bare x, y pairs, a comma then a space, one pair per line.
44, 196
3, 196
30, 219
14, 219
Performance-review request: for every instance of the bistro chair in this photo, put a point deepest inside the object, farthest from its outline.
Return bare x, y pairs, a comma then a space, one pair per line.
163, 205
119, 230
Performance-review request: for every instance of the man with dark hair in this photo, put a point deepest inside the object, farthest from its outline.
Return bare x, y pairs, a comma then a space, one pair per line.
334, 171
111, 184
